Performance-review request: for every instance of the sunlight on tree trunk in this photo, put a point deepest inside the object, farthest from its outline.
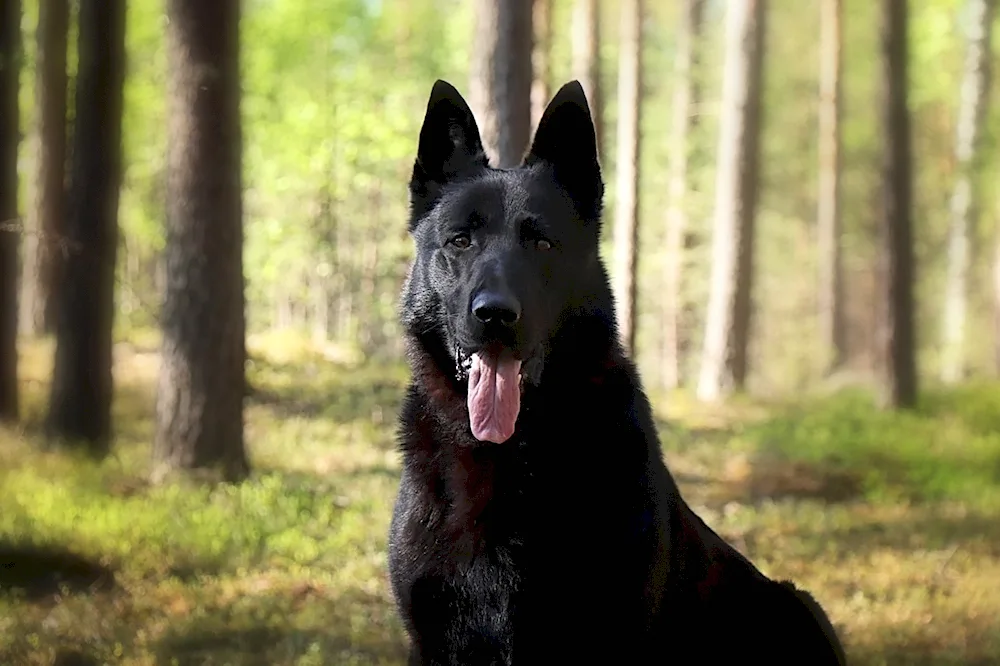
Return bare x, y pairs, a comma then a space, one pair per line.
500, 90
542, 21
199, 406
831, 306
972, 109
82, 382
727, 321
10, 70
684, 120
626, 232
42, 255
586, 45
897, 334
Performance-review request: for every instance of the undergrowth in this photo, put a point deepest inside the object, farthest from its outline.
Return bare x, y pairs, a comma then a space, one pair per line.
892, 520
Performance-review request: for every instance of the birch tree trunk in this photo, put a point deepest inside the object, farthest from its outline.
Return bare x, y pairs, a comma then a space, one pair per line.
542, 21
627, 169
686, 94
973, 102
830, 297
724, 353
586, 47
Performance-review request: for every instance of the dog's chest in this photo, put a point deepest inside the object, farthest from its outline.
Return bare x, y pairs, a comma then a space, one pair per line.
465, 608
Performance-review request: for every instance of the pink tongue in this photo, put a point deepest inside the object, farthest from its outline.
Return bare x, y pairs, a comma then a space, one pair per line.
494, 396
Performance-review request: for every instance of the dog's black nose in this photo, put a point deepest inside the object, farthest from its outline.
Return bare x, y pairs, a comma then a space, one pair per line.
491, 307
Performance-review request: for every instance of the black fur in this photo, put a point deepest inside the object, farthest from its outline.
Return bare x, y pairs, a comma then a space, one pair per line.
569, 543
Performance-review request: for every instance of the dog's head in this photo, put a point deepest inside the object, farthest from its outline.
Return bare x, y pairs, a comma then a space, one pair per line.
501, 254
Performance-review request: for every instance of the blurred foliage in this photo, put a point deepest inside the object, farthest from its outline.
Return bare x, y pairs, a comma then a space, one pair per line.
333, 97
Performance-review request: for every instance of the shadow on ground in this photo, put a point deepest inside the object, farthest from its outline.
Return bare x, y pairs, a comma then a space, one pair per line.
929, 530
133, 411
40, 571
343, 395
305, 625
907, 647
753, 480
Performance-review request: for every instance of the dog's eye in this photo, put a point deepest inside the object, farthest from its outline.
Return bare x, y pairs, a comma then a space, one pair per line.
543, 245
461, 241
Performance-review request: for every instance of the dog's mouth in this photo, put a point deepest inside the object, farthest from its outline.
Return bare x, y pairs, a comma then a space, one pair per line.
496, 383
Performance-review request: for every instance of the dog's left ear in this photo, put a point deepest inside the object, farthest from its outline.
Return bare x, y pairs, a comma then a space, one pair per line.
449, 146
566, 142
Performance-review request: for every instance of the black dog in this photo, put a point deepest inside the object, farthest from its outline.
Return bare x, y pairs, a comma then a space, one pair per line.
536, 522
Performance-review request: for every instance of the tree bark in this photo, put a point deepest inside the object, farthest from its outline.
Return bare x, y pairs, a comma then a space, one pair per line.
586, 51
973, 102
996, 303
542, 22
727, 321
10, 73
897, 333
626, 233
320, 308
202, 382
831, 296
500, 94
686, 94
82, 386
43, 249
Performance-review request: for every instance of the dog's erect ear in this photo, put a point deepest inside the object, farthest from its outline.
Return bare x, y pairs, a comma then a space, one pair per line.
565, 140
449, 145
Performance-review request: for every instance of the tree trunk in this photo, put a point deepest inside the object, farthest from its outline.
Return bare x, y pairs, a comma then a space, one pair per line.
80, 402
831, 306
627, 169
500, 93
202, 379
586, 45
996, 303
686, 94
10, 72
974, 98
320, 307
542, 21
43, 252
727, 321
897, 334
282, 308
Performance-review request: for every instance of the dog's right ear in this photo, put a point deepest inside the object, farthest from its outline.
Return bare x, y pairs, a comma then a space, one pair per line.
449, 146
565, 140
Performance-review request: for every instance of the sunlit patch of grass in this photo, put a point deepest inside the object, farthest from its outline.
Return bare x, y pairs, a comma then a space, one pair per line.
890, 520
946, 449
904, 584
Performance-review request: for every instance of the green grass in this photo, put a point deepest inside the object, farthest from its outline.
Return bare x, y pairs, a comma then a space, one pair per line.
893, 521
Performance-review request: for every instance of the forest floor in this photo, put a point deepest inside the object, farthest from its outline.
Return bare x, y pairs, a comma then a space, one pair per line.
892, 521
